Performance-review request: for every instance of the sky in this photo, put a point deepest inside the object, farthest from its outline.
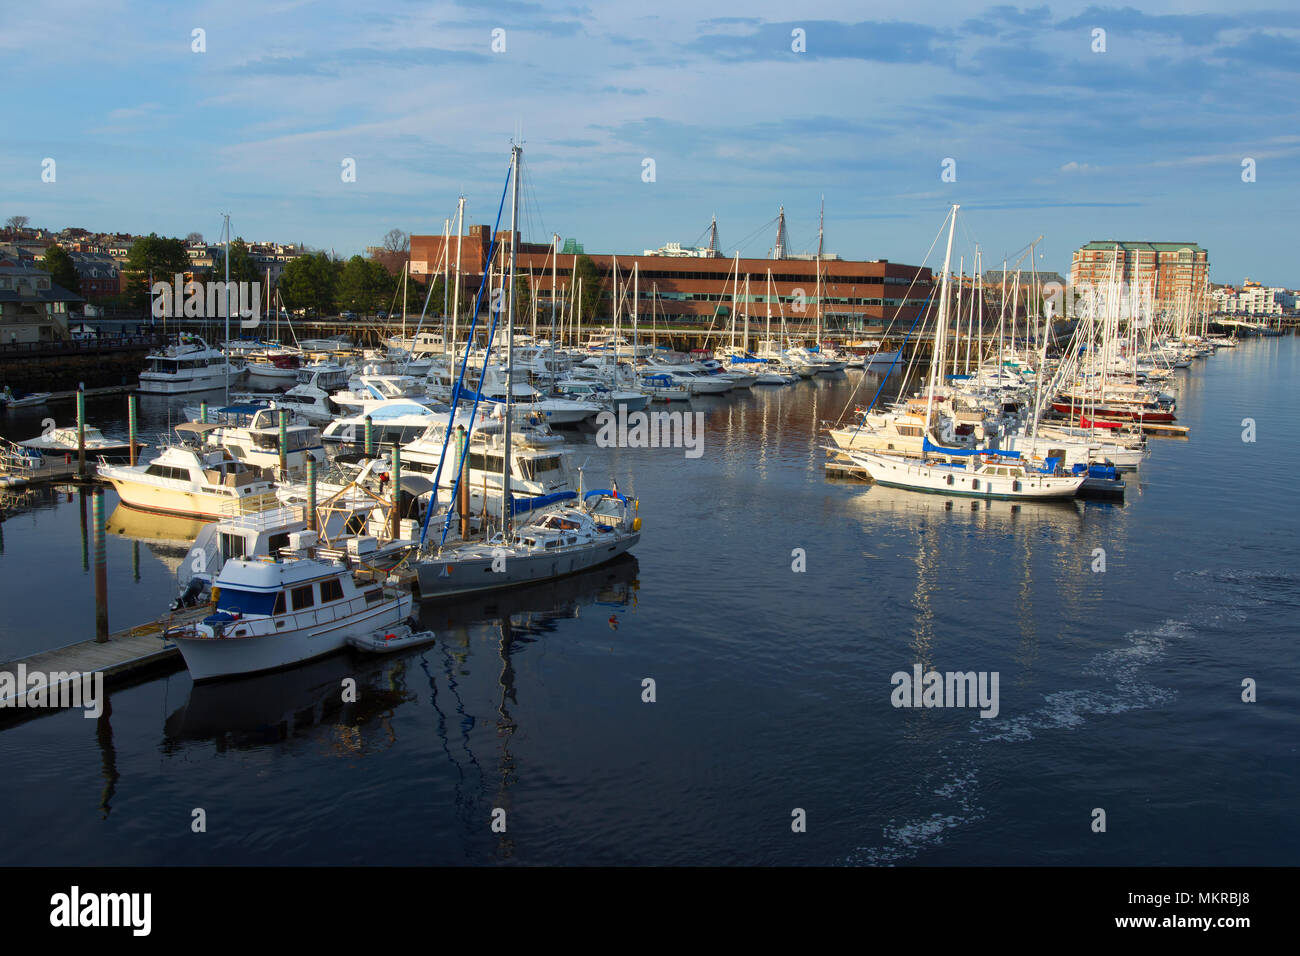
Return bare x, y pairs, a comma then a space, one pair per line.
1042, 124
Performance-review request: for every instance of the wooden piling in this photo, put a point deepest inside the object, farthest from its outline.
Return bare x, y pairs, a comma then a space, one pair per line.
101, 567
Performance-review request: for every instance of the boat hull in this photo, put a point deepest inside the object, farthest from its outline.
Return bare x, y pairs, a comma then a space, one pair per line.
450, 578
214, 658
899, 473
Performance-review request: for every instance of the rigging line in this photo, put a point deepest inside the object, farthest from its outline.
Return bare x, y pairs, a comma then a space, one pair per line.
929, 251
753, 235
888, 371
455, 390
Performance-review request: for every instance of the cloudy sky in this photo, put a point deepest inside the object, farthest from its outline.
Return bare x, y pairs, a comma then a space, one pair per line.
1048, 132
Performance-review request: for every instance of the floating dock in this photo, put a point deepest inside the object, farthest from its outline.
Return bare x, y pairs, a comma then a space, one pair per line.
123, 655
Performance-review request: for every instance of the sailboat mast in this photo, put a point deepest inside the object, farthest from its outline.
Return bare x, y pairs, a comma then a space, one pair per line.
226, 296
935, 358
455, 302
506, 508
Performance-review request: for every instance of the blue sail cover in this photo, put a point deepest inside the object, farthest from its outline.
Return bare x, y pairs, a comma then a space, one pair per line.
521, 505
929, 446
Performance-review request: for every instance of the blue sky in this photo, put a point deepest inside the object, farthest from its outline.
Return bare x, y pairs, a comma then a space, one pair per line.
1143, 141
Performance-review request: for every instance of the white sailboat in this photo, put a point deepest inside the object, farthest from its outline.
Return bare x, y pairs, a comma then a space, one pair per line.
979, 473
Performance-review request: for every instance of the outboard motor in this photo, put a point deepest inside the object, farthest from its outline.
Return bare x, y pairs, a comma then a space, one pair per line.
191, 596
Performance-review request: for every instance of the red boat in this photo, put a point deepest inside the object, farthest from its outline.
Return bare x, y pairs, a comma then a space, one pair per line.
1136, 413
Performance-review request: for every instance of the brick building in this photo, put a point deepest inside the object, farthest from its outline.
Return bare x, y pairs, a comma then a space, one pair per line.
866, 295
1176, 273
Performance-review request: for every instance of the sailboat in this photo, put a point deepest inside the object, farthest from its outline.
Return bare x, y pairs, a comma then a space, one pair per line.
582, 531
978, 473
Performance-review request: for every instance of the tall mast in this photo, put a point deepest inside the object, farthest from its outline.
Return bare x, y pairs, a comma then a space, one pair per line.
455, 305
767, 330
821, 222
226, 296
961, 277
555, 266
506, 516
943, 318
636, 294
745, 343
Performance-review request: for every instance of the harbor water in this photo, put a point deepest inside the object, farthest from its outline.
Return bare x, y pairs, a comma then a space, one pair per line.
770, 606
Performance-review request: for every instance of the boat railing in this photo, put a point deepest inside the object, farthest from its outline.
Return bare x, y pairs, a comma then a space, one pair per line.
248, 504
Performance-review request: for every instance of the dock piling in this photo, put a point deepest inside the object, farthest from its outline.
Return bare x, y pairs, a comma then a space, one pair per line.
81, 431
130, 425
311, 494
101, 567
397, 490
284, 443
369, 436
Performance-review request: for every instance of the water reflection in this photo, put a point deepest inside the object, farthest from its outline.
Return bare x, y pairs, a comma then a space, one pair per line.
168, 537
309, 701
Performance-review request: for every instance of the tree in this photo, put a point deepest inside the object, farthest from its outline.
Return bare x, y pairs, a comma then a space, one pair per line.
397, 241
157, 256
194, 237
310, 282
17, 223
242, 266
363, 285
592, 305
62, 272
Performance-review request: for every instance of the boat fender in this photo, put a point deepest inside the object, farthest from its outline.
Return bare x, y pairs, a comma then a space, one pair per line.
636, 524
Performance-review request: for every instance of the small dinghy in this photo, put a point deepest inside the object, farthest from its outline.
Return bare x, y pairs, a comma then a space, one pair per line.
391, 639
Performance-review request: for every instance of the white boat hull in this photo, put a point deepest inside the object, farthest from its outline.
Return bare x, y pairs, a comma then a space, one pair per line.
940, 479
209, 658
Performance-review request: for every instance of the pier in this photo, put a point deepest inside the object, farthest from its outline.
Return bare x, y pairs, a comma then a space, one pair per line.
124, 655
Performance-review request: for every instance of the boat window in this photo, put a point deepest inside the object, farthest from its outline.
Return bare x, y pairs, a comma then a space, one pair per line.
245, 602
277, 541
279, 603
232, 546
543, 465
373, 595
331, 590
302, 597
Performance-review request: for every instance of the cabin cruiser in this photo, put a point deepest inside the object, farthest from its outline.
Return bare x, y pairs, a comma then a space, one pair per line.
351, 529
602, 395
193, 481
661, 388
276, 611
252, 434
556, 411
535, 471
397, 420
188, 365
63, 441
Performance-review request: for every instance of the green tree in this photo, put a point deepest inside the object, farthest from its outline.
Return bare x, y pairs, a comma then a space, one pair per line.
592, 304
62, 272
153, 254
309, 282
242, 266
363, 286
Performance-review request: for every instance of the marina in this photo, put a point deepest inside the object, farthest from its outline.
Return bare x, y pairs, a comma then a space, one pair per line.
657, 614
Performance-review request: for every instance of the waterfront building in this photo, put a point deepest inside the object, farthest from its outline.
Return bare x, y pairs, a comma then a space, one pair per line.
696, 289
32, 307
1177, 274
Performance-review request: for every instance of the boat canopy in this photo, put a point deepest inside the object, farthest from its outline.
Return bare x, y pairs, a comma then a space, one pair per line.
197, 428
929, 446
521, 505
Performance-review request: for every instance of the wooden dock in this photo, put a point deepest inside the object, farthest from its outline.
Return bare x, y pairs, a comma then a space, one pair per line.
125, 654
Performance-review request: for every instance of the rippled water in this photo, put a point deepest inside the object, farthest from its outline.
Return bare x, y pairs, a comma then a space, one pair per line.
1119, 690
